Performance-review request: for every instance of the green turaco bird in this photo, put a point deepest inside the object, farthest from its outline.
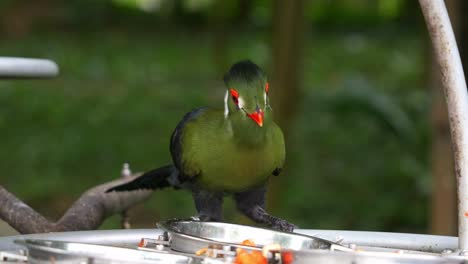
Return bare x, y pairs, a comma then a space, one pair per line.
231, 151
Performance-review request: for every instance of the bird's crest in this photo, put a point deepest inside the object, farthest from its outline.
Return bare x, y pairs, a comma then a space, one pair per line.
243, 71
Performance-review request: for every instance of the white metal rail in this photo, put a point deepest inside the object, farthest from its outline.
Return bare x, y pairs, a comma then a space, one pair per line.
454, 86
18, 68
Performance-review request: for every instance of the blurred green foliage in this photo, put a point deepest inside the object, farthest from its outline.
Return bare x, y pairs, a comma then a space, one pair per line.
358, 150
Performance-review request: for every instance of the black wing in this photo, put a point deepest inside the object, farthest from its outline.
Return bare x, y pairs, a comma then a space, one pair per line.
154, 179
176, 138
161, 177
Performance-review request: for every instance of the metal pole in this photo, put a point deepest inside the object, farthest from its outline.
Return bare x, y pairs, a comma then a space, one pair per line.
454, 86
17, 68
125, 173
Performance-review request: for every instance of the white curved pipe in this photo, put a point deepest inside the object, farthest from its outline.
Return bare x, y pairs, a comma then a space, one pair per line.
454, 86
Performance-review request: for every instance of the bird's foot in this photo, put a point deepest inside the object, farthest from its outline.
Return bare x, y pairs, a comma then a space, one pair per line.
203, 218
195, 218
283, 225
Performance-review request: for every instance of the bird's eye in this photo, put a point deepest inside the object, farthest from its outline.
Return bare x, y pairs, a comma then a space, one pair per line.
234, 95
267, 87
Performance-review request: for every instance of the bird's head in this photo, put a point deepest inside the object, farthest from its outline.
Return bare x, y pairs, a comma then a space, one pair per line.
247, 92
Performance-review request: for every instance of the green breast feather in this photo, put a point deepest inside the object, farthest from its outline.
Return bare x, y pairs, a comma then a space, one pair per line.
211, 151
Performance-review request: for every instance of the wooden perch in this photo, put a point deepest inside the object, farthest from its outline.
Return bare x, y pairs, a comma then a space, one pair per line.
87, 213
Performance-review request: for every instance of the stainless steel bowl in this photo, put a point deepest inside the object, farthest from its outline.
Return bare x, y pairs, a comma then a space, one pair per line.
190, 236
49, 251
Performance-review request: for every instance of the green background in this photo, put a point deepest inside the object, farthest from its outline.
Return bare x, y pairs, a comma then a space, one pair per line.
357, 152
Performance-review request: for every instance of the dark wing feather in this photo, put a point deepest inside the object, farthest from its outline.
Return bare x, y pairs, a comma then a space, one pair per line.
154, 179
176, 138
161, 177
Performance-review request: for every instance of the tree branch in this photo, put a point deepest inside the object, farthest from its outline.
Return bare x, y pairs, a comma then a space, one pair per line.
87, 213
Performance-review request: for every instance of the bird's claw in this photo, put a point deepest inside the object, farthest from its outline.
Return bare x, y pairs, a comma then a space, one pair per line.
283, 225
195, 218
202, 218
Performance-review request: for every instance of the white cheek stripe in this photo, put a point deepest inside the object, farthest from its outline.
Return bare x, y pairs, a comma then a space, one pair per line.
226, 108
241, 102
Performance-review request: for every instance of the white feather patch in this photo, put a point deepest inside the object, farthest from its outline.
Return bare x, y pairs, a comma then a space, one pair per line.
226, 108
241, 102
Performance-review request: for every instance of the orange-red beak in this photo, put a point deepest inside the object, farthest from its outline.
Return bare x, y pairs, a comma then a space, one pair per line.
257, 116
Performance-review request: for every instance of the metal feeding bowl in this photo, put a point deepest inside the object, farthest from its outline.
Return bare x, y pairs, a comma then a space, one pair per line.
221, 243
49, 251
191, 236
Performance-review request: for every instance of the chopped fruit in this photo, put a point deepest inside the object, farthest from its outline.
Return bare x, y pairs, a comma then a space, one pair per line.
254, 257
201, 251
248, 242
142, 243
246, 257
287, 257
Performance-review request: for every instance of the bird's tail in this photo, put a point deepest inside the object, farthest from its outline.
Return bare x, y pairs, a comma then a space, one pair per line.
159, 178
